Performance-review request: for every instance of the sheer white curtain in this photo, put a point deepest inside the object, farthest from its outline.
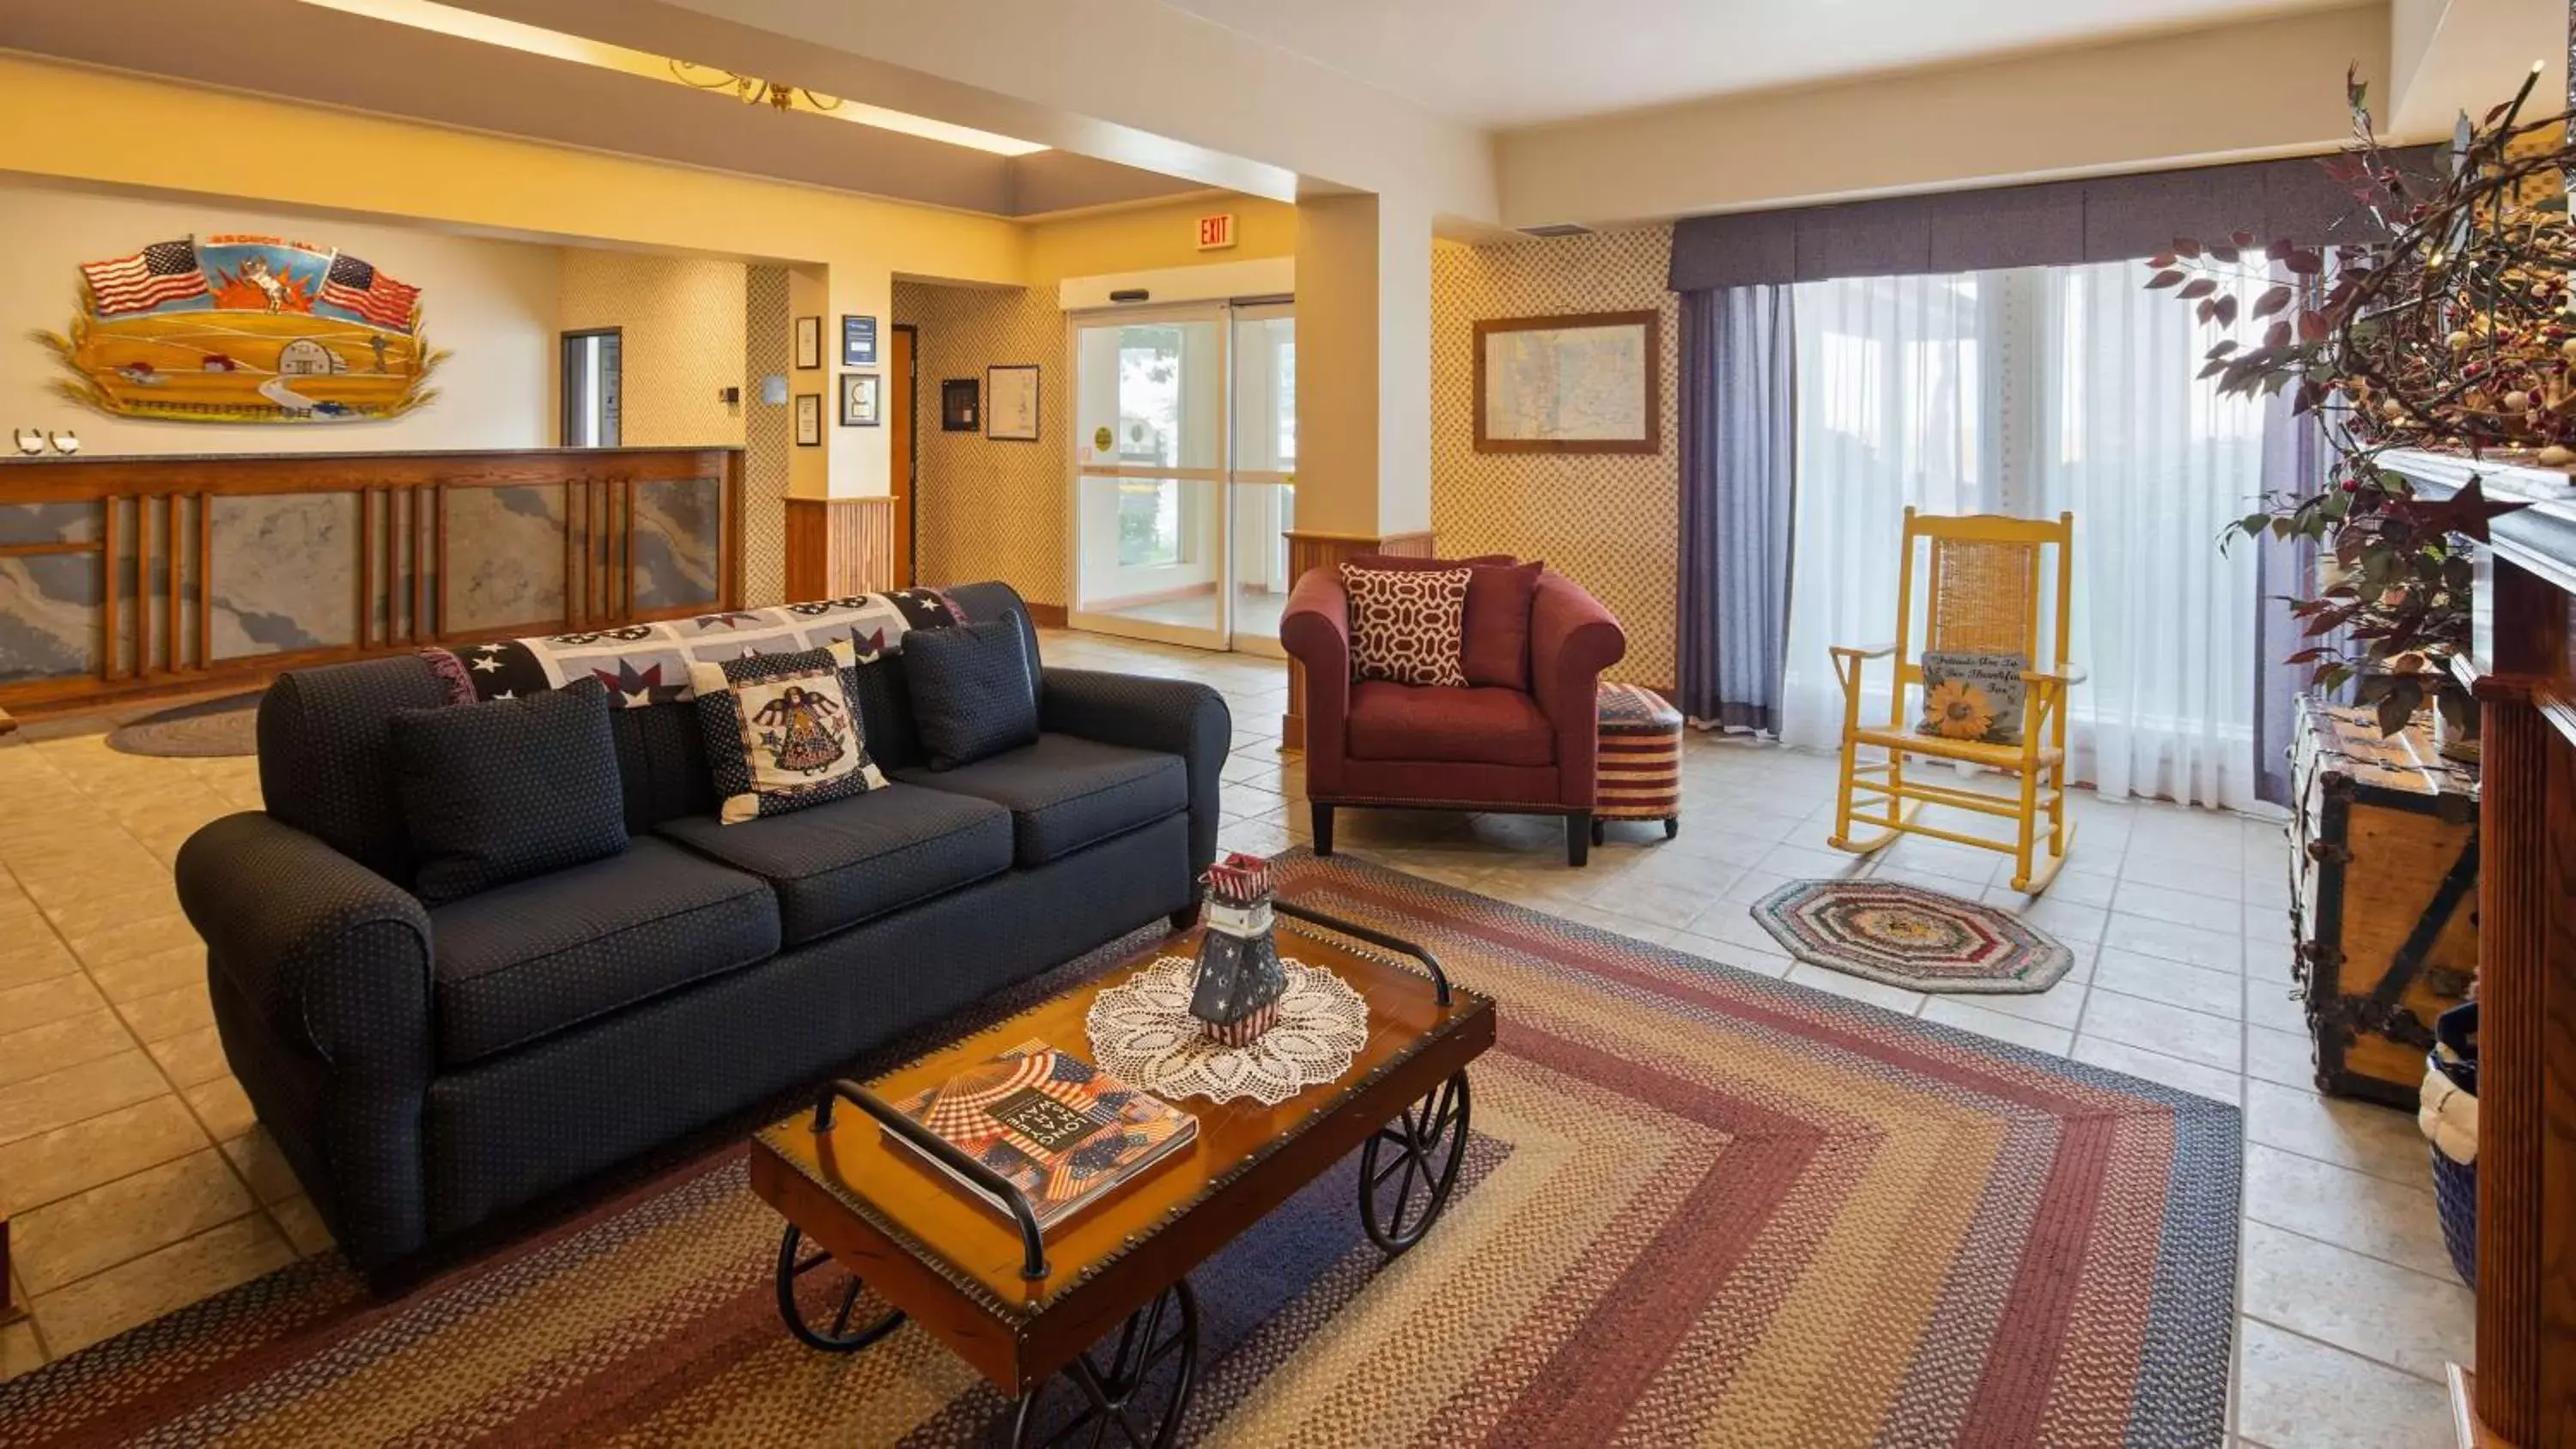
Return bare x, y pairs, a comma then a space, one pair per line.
2034, 392
2153, 463
1894, 382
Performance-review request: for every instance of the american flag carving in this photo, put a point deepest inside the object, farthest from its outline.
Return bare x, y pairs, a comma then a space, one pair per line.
162, 272
357, 287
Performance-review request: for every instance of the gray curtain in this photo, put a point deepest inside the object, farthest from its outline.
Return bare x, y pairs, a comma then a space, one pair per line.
2295, 459
1739, 487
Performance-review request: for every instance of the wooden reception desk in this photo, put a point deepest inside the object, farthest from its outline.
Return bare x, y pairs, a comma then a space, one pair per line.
129, 577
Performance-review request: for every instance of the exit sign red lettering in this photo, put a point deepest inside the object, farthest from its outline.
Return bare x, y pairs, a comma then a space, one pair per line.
1216, 233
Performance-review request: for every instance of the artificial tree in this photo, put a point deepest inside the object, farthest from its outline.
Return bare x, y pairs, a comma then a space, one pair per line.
2446, 322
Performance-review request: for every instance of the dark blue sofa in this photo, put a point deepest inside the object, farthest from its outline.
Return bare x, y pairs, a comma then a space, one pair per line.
426, 1070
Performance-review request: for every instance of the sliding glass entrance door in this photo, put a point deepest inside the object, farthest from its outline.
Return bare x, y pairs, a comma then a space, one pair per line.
1184, 441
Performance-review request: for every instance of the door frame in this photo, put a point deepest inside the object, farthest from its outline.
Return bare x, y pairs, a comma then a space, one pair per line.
564, 340
1219, 636
905, 480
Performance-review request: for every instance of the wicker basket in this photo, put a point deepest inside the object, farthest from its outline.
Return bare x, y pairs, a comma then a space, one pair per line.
2455, 1183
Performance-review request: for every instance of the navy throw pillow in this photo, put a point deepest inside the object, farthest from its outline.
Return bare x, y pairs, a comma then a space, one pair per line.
508, 789
973, 693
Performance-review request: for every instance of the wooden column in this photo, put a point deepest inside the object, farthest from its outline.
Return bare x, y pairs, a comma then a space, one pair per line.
1307, 551
837, 547
2524, 1390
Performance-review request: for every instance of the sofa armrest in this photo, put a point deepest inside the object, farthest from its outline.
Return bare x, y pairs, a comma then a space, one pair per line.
332, 963
1175, 716
1315, 629
1573, 638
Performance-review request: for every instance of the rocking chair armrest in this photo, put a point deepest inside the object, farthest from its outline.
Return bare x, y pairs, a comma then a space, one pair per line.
1874, 651
2063, 675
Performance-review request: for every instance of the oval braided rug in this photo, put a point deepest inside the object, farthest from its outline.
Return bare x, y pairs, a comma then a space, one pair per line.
1703, 1207
1904, 935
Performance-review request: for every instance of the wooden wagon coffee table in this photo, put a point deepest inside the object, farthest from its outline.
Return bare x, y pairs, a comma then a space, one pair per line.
1026, 1311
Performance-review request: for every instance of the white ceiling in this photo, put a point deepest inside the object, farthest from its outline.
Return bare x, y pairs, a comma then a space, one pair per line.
1523, 62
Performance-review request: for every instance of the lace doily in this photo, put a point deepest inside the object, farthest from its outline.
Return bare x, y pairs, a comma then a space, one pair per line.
1143, 1032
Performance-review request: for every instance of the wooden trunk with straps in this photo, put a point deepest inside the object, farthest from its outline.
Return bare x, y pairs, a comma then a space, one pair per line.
2384, 897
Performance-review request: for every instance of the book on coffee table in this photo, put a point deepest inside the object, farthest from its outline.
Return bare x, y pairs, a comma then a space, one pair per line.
1063, 1131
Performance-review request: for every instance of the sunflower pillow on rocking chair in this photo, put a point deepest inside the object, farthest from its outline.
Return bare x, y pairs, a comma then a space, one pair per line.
1971, 696
781, 732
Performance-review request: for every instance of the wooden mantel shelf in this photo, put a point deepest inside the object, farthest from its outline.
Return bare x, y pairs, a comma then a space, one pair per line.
2542, 538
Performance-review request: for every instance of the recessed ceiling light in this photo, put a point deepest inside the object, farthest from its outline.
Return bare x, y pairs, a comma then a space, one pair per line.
537, 40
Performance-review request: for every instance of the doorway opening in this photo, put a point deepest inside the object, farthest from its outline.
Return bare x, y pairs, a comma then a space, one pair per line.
1184, 472
592, 384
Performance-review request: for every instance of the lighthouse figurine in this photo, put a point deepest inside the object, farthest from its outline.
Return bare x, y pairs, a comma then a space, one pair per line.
1239, 977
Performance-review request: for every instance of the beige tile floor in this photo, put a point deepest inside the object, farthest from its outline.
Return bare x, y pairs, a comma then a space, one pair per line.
137, 1180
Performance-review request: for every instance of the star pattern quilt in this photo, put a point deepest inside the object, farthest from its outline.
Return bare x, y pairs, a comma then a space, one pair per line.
645, 664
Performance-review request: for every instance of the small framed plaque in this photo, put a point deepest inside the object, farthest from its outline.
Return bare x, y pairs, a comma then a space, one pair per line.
809, 420
809, 343
859, 399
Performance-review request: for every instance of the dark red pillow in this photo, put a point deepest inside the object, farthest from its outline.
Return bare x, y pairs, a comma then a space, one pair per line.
1499, 591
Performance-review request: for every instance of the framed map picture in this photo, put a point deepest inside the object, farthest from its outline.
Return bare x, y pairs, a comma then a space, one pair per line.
1590, 383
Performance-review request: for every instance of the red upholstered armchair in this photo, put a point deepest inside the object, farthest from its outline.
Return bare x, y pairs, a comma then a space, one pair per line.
1491, 747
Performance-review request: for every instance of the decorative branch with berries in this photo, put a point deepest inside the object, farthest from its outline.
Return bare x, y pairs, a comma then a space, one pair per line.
2444, 323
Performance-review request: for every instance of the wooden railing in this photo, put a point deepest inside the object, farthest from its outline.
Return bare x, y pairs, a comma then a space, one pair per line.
131, 577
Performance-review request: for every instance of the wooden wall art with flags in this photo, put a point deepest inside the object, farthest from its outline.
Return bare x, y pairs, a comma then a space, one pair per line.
245, 329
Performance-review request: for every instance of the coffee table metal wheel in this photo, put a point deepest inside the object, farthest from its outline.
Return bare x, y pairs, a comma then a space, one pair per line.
1408, 1168
1137, 1398
839, 1337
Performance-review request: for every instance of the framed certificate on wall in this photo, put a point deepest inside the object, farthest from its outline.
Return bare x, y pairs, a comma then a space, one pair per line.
1011, 402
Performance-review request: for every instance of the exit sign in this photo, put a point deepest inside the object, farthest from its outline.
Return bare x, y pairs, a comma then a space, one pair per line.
1216, 233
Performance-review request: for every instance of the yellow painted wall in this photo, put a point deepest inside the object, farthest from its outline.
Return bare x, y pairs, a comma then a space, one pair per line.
1146, 237
102, 129
992, 510
680, 321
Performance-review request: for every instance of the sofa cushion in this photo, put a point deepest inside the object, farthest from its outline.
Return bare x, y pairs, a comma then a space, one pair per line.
1474, 726
837, 864
973, 693
509, 789
781, 731
525, 960
1065, 793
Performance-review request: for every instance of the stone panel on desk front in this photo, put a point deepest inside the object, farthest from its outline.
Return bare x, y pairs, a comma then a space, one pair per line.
285, 572
679, 542
505, 560
49, 616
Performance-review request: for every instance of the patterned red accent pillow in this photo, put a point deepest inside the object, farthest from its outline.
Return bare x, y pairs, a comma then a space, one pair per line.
1408, 625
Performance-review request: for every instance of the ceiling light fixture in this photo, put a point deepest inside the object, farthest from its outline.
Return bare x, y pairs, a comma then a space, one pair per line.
467, 24
751, 90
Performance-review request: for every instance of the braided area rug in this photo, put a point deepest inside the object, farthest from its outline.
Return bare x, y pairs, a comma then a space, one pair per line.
1700, 1207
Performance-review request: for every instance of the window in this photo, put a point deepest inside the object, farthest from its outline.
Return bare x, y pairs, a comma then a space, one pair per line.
2033, 392
590, 388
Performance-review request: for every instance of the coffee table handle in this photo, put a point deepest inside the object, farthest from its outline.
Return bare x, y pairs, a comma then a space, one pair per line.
1439, 978
1033, 1263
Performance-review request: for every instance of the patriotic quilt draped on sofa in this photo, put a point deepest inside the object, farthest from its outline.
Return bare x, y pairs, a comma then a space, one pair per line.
645, 664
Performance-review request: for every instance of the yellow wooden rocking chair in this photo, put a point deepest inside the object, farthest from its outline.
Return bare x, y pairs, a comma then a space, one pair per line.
1982, 593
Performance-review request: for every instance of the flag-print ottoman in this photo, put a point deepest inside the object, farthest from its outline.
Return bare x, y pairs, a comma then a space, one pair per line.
1641, 760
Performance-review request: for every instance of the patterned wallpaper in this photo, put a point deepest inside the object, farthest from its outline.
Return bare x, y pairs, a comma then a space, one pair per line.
982, 509
767, 435
683, 341
1612, 522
